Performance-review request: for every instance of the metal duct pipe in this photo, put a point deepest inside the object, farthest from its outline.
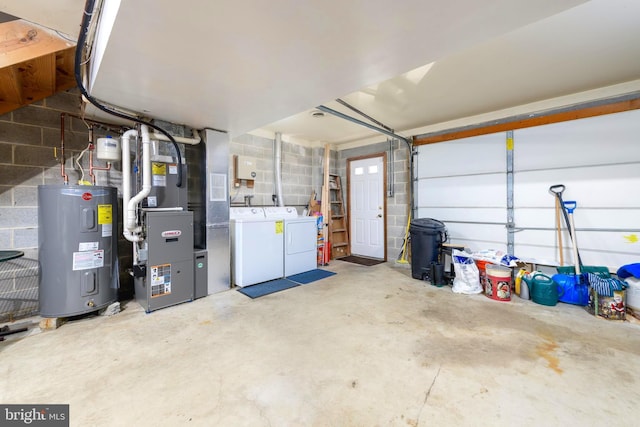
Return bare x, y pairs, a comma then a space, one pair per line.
183, 140
277, 167
392, 168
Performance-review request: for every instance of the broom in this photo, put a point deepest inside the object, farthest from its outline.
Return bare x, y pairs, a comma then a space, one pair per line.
403, 257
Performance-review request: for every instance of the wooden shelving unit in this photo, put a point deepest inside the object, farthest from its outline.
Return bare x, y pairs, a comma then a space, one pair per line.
338, 232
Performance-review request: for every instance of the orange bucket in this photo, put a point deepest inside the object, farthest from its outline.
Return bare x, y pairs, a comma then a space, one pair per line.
482, 270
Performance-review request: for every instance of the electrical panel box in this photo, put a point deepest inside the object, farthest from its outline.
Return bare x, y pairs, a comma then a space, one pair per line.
246, 168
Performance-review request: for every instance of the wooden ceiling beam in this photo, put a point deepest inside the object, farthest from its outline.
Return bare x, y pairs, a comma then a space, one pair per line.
545, 119
34, 63
21, 41
10, 86
65, 78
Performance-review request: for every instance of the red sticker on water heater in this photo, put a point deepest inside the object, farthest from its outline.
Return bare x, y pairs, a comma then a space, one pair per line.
87, 196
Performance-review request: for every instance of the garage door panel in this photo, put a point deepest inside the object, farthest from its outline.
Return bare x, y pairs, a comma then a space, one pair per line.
594, 141
541, 254
476, 155
463, 214
628, 219
478, 238
548, 256
601, 186
481, 190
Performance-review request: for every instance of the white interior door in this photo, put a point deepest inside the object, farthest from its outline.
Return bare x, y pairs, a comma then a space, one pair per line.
366, 207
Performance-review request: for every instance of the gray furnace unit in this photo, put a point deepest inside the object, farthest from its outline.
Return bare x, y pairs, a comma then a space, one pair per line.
77, 241
165, 274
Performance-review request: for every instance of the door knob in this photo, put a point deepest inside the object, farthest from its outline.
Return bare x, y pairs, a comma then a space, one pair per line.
379, 215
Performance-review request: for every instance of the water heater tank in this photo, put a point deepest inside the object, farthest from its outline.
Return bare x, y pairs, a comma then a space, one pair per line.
77, 249
108, 149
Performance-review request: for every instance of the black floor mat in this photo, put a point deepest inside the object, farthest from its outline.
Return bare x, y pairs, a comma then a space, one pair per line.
361, 260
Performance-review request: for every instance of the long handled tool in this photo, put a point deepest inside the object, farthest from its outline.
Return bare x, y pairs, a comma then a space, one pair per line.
559, 226
557, 190
403, 257
570, 207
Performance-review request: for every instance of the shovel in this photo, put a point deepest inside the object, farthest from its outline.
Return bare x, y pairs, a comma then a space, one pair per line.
557, 190
570, 206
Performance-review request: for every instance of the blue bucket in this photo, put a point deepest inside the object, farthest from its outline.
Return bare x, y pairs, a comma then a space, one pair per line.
576, 290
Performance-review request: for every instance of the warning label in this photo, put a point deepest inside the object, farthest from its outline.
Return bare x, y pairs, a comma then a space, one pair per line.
88, 259
159, 169
107, 230
159, 180
279, 227
105, 214
88, 246
160, 280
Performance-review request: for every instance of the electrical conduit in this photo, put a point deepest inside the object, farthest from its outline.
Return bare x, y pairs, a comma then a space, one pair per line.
277, 165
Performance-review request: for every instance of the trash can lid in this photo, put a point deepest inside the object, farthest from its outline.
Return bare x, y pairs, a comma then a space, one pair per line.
427, 223
8, 255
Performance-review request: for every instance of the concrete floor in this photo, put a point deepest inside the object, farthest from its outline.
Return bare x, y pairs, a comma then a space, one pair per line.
369, 346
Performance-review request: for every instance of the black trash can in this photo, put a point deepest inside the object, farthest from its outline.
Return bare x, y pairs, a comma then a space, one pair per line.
426, 236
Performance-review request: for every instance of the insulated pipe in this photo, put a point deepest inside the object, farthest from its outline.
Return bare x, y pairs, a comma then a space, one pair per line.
277, 165
126, 184
190, 141
132, 206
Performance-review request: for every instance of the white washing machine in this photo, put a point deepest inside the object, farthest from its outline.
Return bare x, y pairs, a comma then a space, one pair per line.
300, 239
257, 246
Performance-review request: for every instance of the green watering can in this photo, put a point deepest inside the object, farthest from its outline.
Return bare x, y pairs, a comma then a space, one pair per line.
543, 289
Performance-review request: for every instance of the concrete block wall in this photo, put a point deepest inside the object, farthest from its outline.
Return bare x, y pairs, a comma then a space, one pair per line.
29, 143
298, 172
398, 205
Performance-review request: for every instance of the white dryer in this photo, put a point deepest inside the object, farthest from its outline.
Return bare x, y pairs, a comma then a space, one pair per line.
257, 246
300, 239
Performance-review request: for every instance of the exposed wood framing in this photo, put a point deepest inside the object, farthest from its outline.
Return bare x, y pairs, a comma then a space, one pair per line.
543, 119
34, 64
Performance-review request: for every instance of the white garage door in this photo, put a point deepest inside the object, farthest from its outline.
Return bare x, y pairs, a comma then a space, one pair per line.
464, 184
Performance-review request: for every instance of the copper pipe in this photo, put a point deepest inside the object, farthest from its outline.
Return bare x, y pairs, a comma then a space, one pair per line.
65, 177
109, 126
91, 175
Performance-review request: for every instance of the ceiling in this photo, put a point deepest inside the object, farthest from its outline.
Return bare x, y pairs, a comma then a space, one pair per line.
261, 67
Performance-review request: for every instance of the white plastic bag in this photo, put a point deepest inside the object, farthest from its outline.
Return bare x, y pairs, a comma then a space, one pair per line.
467, 280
